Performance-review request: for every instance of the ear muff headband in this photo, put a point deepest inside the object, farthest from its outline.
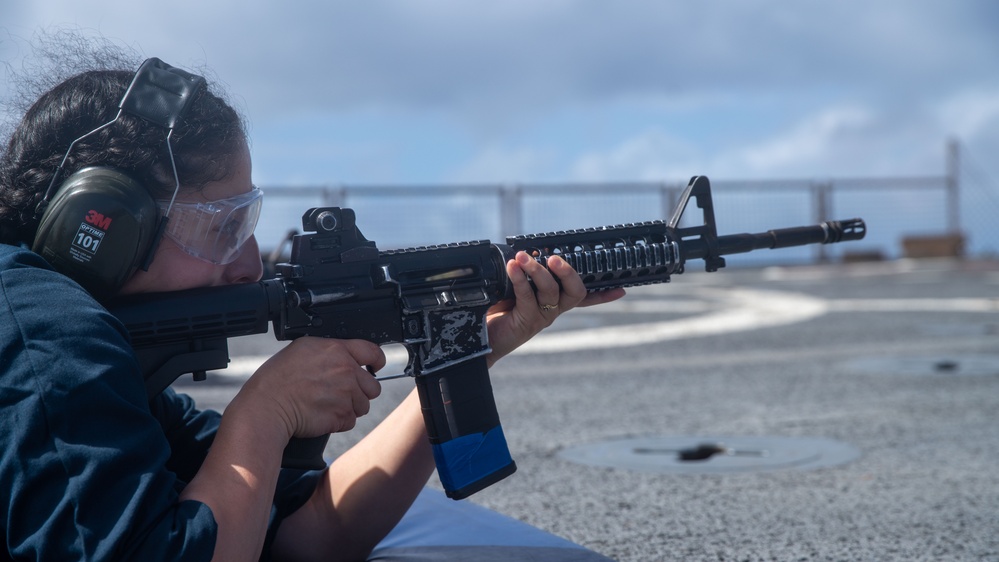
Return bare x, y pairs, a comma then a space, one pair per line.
75, 231
160, 94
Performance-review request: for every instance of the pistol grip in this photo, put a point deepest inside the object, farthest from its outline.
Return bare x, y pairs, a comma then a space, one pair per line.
464, 428
305, 453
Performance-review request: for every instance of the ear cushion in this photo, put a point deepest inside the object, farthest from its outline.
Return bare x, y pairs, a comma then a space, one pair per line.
98, 228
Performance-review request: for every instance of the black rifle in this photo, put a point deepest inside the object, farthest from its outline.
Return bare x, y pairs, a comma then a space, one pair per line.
433, 300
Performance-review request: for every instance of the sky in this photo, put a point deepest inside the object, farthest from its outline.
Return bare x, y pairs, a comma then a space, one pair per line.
447, 91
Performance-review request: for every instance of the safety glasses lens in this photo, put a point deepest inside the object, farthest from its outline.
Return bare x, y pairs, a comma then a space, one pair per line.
214, 231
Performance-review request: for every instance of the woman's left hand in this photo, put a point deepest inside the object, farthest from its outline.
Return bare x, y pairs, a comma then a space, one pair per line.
512, 322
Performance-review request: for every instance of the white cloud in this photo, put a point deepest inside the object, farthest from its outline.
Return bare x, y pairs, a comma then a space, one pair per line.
969, 114
834, 141
806, 143
648, 156
505, 165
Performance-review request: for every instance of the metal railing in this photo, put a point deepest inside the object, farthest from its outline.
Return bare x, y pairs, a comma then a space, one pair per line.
405, 216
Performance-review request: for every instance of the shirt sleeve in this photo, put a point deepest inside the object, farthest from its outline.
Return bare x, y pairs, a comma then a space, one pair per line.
82, 458
190, 432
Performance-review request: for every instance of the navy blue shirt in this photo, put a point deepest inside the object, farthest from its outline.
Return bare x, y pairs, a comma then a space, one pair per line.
89, 469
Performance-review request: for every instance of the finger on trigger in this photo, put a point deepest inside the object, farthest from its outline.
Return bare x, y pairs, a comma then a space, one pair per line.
367, 353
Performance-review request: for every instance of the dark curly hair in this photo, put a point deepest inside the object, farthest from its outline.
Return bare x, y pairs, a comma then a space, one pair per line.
203, 143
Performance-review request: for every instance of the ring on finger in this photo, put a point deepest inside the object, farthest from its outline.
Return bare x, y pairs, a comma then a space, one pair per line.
547, 307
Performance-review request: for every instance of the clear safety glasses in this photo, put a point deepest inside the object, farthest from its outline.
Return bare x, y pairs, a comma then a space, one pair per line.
214, 231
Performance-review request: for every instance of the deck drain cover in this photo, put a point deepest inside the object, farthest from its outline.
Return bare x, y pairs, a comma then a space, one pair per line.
713, 454
959, 364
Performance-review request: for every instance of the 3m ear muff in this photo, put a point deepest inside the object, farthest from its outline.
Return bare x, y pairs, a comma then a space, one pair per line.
100, 224
98, 228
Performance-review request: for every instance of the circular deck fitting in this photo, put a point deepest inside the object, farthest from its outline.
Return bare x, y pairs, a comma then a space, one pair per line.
713, 454
958, 364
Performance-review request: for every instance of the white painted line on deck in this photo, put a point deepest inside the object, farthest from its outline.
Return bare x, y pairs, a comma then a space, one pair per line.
737, 310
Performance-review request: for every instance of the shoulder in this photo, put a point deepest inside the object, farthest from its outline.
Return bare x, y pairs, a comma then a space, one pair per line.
52, 327
29, 286
13, 257
24, 270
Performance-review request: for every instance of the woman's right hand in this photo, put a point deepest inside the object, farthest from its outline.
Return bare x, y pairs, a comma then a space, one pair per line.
315, 385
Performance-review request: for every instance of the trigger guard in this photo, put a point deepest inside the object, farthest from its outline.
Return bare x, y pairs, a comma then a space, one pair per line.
396, 353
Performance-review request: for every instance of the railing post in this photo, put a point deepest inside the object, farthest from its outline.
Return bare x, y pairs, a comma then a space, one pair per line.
511, 209
953, 186
822, 207
334, 196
